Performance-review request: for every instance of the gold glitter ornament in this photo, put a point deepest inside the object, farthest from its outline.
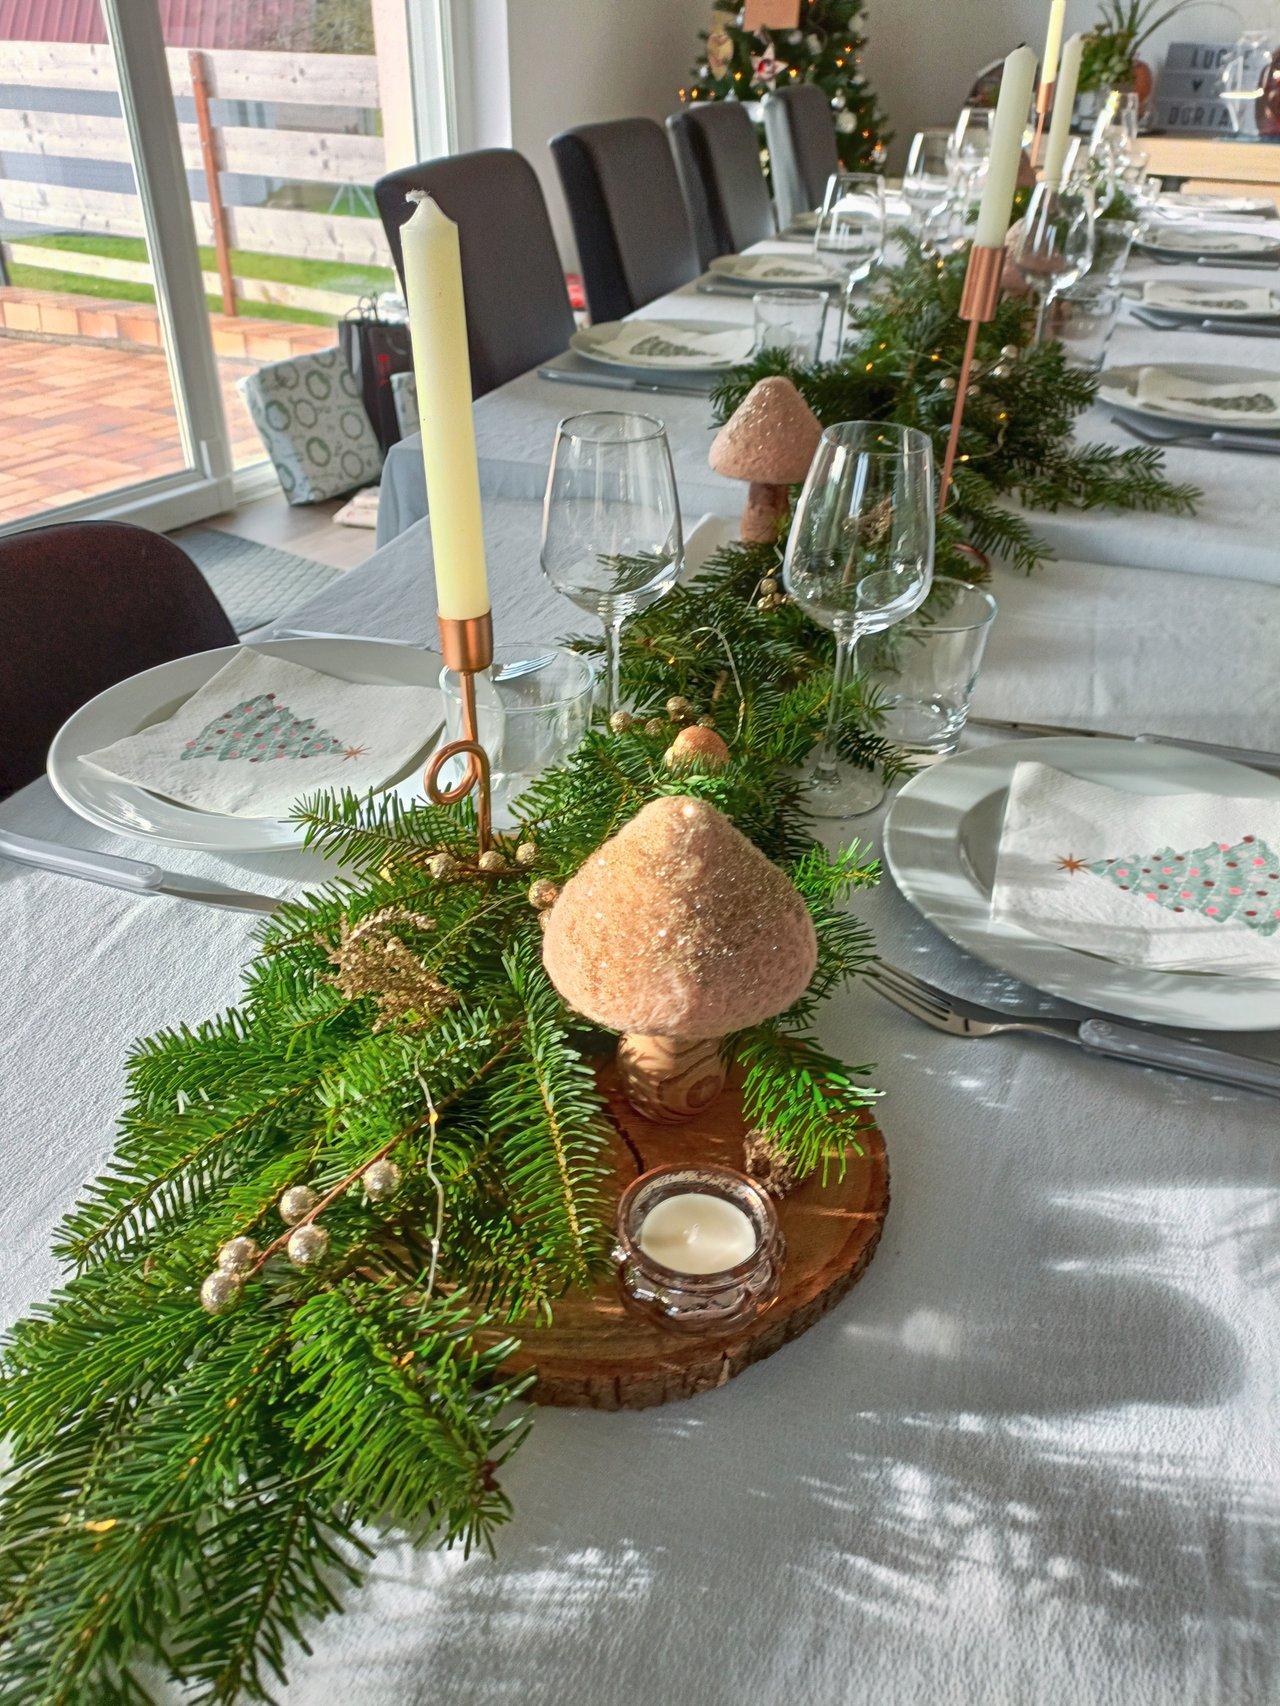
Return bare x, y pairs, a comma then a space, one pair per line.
621, 721
371, 960
1009, 352
707, 722
526, 853
237, 1254
220, 1292
297, 1202
442, 866
307, 1245
491, 861
543, 892
947, 383
679, 709
381, 1179
655, 726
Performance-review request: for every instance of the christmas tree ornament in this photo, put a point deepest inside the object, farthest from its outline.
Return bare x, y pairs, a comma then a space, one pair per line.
297, 1201
307, 1245
526, 853
237, 1255
621, 721
220, 1292
697, 745
654, 727
707, 722
1010, 352
676, 932
491, 862
679, 709
543, 893
769, 440
442, 866
381, 1179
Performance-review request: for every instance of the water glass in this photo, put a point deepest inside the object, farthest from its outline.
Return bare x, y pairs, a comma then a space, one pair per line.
926, 183
1112, 241
611, 536
791, 321
850, 235
936, 659
858, 559
531, 713
1083, 319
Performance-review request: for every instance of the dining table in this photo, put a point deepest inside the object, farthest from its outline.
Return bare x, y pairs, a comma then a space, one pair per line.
1233, 533
1031, 1457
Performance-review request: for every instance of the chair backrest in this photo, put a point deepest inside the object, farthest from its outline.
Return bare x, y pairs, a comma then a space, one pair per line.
87, 604
518, 311
629, 217
717, 157
801, 135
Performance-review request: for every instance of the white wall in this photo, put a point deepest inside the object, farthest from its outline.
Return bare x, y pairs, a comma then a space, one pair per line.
922, 55
572, 62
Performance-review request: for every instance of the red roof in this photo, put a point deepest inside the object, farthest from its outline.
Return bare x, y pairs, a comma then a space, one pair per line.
187, 23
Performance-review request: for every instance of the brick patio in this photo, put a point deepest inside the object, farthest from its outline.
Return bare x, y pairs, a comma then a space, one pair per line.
82, 415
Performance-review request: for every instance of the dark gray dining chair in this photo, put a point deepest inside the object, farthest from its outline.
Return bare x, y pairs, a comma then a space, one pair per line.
629, 218
82, 606
801, 135
717, 156
518, 312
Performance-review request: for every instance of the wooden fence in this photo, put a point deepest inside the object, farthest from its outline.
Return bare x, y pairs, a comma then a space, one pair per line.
320, 156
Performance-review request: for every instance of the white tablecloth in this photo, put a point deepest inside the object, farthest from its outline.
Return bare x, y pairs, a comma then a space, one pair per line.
1030, 1459
1233, 534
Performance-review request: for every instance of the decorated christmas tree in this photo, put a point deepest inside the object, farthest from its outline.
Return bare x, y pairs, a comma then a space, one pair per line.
752, 49
1232, 883
258, 729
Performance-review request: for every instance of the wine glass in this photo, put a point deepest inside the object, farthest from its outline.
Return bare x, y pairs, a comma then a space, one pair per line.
1055, 244
611, 535
859, 558
926, 183
851, 225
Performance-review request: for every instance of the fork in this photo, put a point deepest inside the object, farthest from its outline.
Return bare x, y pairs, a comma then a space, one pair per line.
959, 1018
1216, 440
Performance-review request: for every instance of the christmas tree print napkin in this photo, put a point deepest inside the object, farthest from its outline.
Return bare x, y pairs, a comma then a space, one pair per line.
658, 343
1231, 301
1253, 403
263, 732
1173, 882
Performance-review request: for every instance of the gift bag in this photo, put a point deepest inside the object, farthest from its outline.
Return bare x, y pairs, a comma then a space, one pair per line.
376, 349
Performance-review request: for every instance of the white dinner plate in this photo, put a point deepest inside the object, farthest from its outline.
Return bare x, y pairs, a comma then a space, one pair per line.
157, 693
1191, 243
775, 272
1118, 387
1206, 202
941, 838
671, 346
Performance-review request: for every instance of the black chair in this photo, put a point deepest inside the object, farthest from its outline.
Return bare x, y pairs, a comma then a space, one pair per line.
717, 157
801, 135
518, 312
629, 217
87, 604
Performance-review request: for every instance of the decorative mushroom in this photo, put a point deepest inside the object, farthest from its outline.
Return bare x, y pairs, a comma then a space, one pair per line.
769, 439
675, 932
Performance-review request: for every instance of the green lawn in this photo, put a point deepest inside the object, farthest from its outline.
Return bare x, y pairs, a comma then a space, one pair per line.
284, 269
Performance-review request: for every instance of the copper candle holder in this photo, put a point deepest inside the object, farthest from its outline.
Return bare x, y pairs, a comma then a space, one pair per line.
1044, 103
467, 646
978, 302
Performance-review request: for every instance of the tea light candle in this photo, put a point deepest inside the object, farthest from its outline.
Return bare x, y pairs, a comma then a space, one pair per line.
695, 1232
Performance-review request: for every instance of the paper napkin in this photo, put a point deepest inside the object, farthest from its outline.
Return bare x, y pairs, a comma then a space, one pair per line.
263, 732
1253, 402
1173, 882
1203, 242
657, 343
1211, 299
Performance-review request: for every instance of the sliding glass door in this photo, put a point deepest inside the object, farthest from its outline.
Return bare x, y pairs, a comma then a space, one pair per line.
185, 195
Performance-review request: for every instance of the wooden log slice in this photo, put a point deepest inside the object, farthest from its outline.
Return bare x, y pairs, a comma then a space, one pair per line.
601, 1355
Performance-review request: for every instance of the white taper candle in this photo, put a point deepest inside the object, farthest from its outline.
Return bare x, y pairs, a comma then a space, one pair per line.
442, 368
1064, 100
1006, 148
1049, 72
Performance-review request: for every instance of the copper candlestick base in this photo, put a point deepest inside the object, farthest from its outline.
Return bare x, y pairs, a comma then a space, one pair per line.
978, 302
467, 645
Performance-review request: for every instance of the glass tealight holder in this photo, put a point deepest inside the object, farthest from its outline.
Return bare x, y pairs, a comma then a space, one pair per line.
698, 1302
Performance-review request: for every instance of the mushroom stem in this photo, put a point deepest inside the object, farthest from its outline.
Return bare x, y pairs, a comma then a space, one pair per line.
763, 511
670, 1079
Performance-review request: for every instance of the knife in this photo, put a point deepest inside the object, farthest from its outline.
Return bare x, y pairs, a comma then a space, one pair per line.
564, 376
1269, 761
133, 875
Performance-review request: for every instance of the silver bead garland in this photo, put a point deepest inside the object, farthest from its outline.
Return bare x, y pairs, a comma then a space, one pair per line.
237, 1254
296, 1203
220, 1292
381, 1180
307, 1245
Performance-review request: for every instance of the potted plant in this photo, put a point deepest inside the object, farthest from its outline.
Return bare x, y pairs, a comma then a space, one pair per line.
1111, 59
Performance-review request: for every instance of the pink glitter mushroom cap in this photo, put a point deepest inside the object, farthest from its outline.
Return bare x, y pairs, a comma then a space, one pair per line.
677, 926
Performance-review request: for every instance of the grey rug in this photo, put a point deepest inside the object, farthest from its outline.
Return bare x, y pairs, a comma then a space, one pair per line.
255, 583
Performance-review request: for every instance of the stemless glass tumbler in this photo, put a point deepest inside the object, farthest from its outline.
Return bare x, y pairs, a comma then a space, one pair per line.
859, 558
611, 535
1055, 245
